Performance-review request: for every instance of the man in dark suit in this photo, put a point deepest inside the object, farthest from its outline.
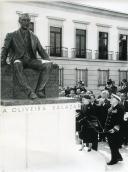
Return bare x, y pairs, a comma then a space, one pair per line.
22, 46
124, 103
113, 127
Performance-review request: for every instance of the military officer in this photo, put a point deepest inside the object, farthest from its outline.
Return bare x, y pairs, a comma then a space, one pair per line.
113, 127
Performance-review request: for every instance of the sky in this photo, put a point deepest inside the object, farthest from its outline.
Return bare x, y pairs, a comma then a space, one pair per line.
114, 5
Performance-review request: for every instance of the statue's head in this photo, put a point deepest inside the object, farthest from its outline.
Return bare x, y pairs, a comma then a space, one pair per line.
24, 20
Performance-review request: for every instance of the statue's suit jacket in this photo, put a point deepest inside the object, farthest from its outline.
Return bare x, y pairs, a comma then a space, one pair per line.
15, 47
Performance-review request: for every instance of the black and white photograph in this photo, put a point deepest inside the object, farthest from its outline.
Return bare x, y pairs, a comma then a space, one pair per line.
64, 85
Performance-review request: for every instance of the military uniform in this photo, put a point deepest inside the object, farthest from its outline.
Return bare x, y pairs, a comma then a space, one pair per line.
114, 122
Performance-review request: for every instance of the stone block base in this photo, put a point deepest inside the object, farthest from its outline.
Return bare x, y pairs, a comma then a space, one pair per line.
6, 82
10, 88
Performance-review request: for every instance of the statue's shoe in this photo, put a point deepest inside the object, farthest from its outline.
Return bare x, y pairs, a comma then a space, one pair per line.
32, 95
40, 94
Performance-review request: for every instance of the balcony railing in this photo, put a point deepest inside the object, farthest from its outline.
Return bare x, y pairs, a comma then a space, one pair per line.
85, 53
82, 53
121, 56
57, 51
104, 55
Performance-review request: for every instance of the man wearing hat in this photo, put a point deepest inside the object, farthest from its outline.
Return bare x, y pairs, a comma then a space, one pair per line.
113, 127
22, 46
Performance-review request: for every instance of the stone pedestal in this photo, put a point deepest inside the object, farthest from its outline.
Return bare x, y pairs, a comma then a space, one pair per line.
52, 86
10, 88
41, 138
7, 82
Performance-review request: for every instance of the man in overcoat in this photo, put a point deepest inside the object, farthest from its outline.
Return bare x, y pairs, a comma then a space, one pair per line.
102, 111
22, 47
113, 127
89, 124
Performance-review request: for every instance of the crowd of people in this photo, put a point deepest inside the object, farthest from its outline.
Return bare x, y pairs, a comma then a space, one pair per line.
102, 118
80, 89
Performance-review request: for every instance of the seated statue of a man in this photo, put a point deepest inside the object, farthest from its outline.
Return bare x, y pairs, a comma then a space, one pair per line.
22, 46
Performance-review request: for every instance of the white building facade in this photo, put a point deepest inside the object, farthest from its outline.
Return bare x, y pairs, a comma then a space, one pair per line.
88, 44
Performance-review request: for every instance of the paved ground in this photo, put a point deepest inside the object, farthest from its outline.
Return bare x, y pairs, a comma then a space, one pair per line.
41, 161
121, 166
77, 161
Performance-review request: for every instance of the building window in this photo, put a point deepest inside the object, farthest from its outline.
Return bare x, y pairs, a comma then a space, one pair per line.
80, 43
103, 45
123, 74
31, 26
82, 75
61, 77
55, 41
123, 44
103, 76
55, 49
